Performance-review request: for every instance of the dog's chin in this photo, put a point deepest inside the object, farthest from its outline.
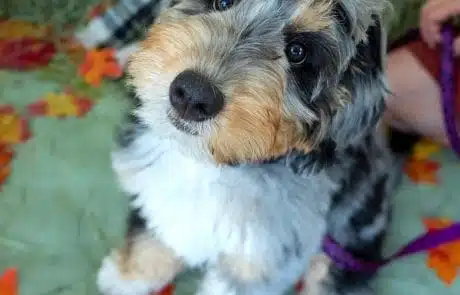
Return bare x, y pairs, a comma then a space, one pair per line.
182, 125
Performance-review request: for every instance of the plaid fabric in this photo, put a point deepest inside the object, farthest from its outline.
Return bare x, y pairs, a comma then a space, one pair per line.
122, 24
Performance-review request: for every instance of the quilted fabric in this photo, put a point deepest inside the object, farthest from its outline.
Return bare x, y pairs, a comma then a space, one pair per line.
60, 210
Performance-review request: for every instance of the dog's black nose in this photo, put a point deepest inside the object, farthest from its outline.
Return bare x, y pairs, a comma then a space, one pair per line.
195, 97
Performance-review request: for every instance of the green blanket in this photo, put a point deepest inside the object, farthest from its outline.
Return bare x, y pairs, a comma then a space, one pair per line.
60, 210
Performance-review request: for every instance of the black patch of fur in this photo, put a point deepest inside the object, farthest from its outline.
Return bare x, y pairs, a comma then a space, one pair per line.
361, 195
131, 125
136, 224
322, 60
362, 164
372, 206
362, 78
367, 61
312, 162
324, 156
369, 55
345, 281
128, 131
133, 99
342, 17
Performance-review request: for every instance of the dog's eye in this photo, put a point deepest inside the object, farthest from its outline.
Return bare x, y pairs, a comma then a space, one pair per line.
223, 4
296, 53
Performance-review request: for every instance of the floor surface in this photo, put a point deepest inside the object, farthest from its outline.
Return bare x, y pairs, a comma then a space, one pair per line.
60, 209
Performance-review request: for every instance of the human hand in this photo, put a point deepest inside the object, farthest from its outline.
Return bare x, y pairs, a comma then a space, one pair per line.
434, 13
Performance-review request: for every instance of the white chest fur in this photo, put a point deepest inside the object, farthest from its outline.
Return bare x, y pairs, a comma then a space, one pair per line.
202, 210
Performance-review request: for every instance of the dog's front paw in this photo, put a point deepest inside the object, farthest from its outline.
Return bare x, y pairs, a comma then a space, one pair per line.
111, 282
316, 275
320, 280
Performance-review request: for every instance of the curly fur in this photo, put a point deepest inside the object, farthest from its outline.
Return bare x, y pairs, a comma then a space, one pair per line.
294, 154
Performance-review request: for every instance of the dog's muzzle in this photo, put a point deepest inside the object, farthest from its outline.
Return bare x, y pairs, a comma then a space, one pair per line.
194, 97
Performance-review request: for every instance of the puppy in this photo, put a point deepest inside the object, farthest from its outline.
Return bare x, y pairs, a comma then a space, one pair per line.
253, 133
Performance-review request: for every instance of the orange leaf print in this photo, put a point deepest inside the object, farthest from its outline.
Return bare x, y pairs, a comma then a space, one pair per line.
99, 64
168, 290
61, 105
6, 156
443, 260
13, 128
422, 171
9, 282
442, 266
434, 223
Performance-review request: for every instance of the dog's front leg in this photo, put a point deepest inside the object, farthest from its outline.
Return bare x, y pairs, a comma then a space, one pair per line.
216, 282
234, 275
142, 266
317, 275
325, 278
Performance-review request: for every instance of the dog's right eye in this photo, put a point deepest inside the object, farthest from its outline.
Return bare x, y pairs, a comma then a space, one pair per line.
223, 4
296, 52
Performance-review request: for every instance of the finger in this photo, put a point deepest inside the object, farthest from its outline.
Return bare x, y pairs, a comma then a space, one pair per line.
435, 34
443, 10
430, 34
426, 32
430, 29
433, 14
430, 7
433, 5
435, 31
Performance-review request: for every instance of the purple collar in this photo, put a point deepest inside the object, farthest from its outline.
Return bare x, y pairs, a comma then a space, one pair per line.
448, 87
429, 240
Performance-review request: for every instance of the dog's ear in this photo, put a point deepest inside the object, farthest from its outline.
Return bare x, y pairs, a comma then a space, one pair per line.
362, 88
364, 82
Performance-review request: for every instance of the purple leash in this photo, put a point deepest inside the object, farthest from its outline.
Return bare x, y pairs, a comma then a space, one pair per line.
432, 239
448, 87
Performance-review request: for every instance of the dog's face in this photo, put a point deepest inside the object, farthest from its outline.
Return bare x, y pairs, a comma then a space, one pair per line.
250, 80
